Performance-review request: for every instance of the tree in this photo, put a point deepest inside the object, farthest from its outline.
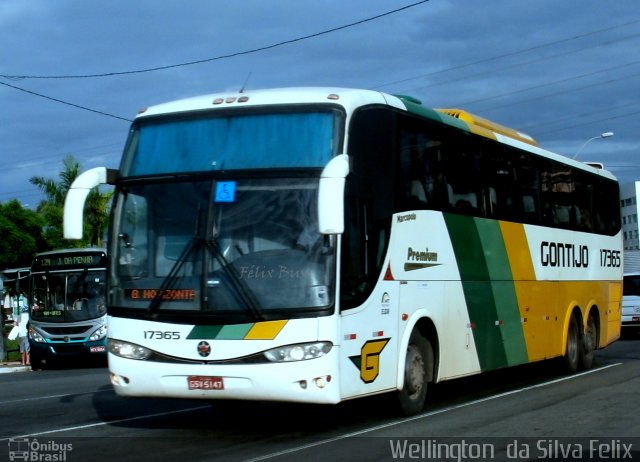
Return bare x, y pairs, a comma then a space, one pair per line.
96, 215
22, 237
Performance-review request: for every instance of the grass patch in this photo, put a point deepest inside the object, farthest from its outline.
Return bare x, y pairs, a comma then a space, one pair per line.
10, 345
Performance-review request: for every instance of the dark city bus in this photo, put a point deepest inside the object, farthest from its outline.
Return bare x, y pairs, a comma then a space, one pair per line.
68, 310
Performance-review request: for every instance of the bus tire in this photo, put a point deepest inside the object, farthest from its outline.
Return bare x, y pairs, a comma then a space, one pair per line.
412, 397
572, 354
36, 362
589, 343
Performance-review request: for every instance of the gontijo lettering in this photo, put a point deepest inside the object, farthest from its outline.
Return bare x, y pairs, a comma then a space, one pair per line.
559, 254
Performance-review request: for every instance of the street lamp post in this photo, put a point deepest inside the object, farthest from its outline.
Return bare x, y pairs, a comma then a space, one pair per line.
602, 135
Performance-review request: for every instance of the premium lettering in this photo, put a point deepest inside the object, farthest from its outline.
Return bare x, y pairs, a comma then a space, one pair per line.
421, 255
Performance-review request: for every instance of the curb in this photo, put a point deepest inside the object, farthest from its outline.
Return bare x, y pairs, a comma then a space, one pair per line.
7, 368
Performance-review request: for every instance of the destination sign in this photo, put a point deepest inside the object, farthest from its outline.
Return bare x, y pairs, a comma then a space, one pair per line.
174, 295
69, 261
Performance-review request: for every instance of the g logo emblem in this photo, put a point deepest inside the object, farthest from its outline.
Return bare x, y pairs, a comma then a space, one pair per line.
369, 360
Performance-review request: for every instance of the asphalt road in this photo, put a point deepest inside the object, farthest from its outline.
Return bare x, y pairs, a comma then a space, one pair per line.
524, 413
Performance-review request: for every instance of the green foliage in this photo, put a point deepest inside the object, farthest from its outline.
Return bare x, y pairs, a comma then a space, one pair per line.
26, 232
22, 235
96, 214
11, 347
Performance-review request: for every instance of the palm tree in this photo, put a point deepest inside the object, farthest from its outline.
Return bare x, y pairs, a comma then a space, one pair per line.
96, 216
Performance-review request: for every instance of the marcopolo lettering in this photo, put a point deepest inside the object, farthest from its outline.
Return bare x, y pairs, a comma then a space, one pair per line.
563, 255
409, 217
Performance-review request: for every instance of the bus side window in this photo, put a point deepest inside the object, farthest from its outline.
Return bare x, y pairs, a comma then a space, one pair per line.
364, 246
354, 283
412, 178
464, 179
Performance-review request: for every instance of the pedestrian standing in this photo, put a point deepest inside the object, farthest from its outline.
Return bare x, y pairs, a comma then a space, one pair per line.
22, 321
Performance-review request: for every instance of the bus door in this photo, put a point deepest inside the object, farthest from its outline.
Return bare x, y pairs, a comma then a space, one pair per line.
369, 343
368, 303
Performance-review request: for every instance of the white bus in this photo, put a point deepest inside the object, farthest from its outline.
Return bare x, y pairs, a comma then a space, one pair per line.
321, 244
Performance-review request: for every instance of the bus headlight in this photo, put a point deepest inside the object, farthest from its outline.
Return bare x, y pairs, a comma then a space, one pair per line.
128, 350
99, 334
298, 352
35, 336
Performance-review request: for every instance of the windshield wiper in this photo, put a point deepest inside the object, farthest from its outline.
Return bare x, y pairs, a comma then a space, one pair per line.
192, 247
195, 243
244, 292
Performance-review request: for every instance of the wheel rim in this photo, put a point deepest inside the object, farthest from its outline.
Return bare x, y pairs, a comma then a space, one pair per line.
590, 339
414, 372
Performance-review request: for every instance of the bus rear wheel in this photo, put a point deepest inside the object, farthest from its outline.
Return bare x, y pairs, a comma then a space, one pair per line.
572, 355
589, 343
412, 397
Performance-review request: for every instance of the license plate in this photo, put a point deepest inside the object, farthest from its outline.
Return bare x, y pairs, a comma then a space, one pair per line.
97, 349
200, 382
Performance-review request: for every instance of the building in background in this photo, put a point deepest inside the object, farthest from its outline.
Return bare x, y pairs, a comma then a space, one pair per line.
629, 207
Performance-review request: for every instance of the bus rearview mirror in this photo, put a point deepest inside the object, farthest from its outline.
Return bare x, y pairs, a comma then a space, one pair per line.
77, 196
331, 195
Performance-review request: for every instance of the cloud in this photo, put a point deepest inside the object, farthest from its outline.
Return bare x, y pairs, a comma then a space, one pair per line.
563, 71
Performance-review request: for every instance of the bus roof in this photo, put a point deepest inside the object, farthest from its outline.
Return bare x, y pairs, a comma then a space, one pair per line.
347, 97
482, 123
351, 99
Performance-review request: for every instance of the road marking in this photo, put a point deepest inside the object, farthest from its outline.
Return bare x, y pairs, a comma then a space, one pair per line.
99, 424
66, 395
319, 443
427, 414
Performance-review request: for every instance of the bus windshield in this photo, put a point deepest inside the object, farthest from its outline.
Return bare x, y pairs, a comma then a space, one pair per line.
231, 142
246, 248
68, 296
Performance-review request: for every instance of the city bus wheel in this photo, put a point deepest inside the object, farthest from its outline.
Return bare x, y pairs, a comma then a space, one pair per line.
589, 343
36, 363
572, 355
417, 364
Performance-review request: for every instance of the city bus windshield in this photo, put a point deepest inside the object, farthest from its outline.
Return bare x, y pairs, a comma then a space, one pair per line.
68, 296
246, 248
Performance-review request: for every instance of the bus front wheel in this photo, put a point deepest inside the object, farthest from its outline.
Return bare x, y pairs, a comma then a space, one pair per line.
411, 398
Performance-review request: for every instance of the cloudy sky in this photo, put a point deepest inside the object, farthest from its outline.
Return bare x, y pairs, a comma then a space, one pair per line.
73, 73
